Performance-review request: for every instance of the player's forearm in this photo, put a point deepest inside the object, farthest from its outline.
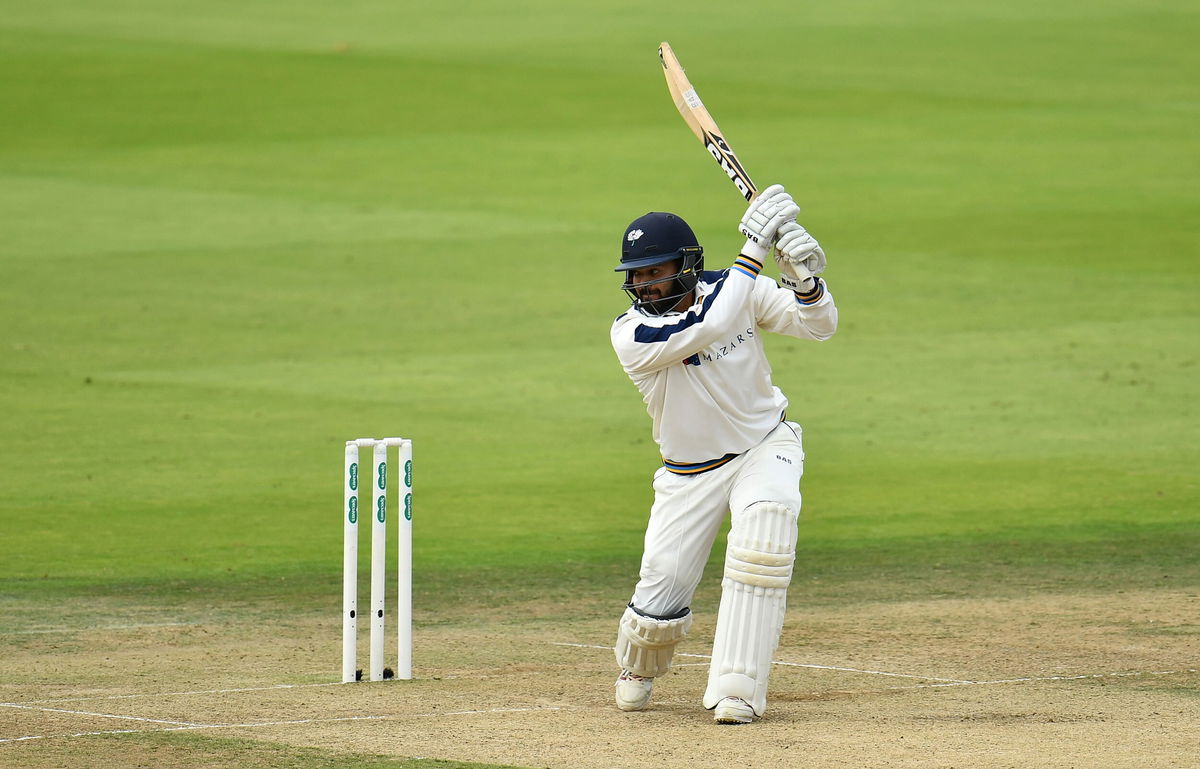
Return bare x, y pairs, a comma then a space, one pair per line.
804, 316
817, 313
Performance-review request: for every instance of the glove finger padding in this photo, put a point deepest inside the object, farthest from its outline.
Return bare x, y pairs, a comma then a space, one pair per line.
793, 237
768, 211
816, 263
785, 211
796, 245
771, 190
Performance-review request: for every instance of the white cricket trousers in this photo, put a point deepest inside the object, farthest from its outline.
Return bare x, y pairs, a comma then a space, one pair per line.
689, 510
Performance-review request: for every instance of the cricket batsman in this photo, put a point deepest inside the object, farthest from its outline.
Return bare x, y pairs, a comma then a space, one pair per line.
692, 344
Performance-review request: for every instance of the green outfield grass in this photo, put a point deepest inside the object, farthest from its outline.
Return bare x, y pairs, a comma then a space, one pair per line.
234, 235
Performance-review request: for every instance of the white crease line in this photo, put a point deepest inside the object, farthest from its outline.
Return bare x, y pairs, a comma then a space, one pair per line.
180, 694
948, 681
102, 715
942, 682
1015, 681
485, 712
191, 727
1067, 678
955, 681
182, 726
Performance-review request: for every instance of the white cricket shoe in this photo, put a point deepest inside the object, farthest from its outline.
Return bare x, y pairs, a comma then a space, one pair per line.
633, 691
734, 710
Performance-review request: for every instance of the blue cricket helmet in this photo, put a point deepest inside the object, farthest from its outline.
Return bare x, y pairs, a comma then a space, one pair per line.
656, 238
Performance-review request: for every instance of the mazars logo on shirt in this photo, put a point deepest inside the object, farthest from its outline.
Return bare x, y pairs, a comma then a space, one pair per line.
716, 352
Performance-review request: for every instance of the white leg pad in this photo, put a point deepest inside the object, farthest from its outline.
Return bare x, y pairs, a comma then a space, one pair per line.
645, 645
758, 570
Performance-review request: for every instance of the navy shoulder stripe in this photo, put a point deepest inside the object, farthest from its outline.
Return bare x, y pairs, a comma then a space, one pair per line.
650, 334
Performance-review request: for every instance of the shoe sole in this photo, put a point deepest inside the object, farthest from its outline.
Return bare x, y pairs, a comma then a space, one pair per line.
734, 715
734, 720
630, 706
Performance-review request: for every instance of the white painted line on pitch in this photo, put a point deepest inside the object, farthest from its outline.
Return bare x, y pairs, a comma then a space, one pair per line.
103, 715
955, 681
192, 727
178, 694
582, 646
942, 682
181, 726
947, 681
1085, 676
485, 712
1032, 679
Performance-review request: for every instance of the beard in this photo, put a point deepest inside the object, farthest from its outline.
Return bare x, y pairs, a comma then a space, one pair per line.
654, 303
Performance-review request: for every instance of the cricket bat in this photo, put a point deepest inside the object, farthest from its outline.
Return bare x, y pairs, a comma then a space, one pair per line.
696, 116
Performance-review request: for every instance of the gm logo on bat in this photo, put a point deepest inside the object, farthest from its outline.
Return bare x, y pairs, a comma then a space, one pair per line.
720, 151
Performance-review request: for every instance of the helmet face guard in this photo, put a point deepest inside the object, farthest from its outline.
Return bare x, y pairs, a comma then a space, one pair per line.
689, 262
658, 238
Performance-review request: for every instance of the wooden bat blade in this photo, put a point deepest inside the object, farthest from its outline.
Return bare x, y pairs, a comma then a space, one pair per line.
695, 114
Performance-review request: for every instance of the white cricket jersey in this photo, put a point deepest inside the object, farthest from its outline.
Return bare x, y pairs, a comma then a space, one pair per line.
703, 373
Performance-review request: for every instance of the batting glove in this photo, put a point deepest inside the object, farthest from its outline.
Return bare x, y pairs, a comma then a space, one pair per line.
799, 256
763, 218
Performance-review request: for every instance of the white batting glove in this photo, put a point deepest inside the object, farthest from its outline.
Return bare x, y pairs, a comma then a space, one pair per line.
763, 218
799, 256
796, 244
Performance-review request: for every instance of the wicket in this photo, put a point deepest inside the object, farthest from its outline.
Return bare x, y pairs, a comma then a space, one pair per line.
379, 476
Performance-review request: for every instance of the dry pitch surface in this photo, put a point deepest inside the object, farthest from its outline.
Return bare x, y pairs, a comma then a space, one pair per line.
1054, 681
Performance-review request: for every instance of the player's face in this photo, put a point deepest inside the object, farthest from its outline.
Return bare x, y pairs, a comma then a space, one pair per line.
659, 280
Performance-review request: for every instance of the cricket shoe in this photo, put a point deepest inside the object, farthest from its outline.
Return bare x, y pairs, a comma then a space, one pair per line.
633, 691
734, 710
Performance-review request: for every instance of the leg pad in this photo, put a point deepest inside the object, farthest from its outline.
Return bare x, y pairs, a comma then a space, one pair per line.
758, 570
645, 644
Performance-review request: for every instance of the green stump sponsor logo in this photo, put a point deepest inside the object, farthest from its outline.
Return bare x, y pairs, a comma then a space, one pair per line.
354, 476
381, 480
408, 473
408, 507
381, 510
352, 510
